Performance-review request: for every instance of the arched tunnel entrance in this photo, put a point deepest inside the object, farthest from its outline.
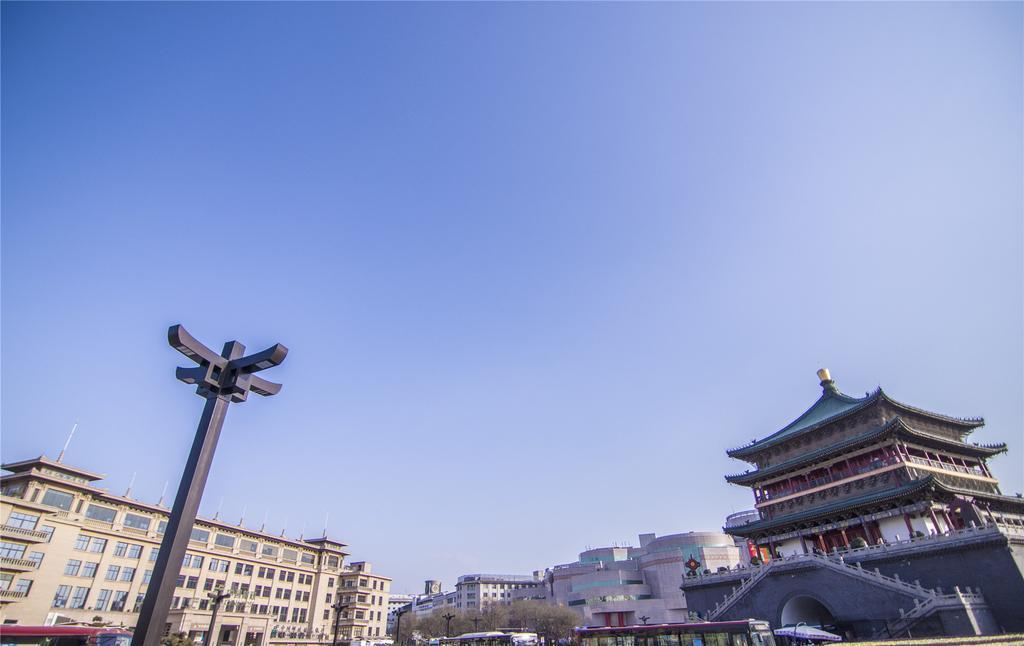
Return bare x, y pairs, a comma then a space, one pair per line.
807, 610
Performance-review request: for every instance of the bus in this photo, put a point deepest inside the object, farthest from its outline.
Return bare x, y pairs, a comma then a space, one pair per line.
749, 632
18, 635
491, 638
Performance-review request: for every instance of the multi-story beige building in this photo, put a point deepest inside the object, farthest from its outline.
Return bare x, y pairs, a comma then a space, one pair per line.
73, 552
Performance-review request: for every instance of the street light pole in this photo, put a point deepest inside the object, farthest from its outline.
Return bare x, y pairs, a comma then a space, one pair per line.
216, 597
448, 624
338, 607
398, 627
221, 379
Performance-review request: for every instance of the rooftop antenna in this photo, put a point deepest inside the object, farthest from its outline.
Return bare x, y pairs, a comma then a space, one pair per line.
216, 514
131, 483
284, 527
327, 516
163, 494
67, 441
264, 525
242, 519
302, 532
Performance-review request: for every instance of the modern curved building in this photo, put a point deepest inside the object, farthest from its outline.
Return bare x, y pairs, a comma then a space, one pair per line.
620, 586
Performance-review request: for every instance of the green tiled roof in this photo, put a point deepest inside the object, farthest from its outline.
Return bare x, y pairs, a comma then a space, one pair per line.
896, 425
830, 405
833, 405
832, 508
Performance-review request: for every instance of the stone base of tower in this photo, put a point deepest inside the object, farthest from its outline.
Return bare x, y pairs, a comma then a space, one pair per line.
967, 582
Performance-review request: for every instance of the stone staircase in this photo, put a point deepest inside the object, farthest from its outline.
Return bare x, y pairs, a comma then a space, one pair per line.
834, 563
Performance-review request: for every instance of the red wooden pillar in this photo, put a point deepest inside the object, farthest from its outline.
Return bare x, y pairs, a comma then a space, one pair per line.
910, 528
935, 521
821, 543
846, 541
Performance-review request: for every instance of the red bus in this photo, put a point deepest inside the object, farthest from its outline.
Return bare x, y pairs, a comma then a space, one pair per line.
18, 635
748, 632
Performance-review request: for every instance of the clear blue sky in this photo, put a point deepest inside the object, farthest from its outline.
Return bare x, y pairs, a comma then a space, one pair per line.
538, 265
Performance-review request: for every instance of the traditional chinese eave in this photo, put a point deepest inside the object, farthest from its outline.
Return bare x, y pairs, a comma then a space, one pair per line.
838, 507
896, 427
834, 406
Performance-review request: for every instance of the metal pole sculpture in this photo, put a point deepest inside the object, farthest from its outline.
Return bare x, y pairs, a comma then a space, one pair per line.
448, 624
220, 379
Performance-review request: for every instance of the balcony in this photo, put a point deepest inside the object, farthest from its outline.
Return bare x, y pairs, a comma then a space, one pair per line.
24, 534
837, 476
8, 596
945, 466
18, 565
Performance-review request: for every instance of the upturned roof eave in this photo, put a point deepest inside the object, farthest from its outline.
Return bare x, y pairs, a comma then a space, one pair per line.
838, 507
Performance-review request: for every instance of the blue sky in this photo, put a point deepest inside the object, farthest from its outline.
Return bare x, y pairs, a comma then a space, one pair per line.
538, 265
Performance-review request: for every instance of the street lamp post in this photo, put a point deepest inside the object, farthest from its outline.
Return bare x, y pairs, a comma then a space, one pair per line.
398, 626
216, 597
448, 624
476, 624
221, 379
338, 607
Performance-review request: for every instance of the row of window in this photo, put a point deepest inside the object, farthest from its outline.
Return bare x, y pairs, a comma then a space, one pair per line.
101, 513
17, 551
23, 585
75, 598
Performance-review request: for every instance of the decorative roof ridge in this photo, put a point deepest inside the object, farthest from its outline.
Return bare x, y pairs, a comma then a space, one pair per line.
970, 422
861, 403
981, 494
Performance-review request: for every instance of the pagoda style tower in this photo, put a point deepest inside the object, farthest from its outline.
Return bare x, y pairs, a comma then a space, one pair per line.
869, 468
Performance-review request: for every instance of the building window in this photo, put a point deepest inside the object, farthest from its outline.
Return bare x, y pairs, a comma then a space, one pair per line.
48, 530
134, 551
13, 489
138, 602
60, 500
270, 550
290, 555
192, 583
22, 521
136, 521
101, 600
330, 582
120, 597
219, 565
161, 527
102, 514
308, 559
153, 553
97, 545
147, 576
246, 545
128, 574
332, 561
11, 550
23, 586
192, 561
5, 580
78, 598
223, 540
35, 557
120, 549
89, 569
200, 535
112, 572
71, 569
60, 599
